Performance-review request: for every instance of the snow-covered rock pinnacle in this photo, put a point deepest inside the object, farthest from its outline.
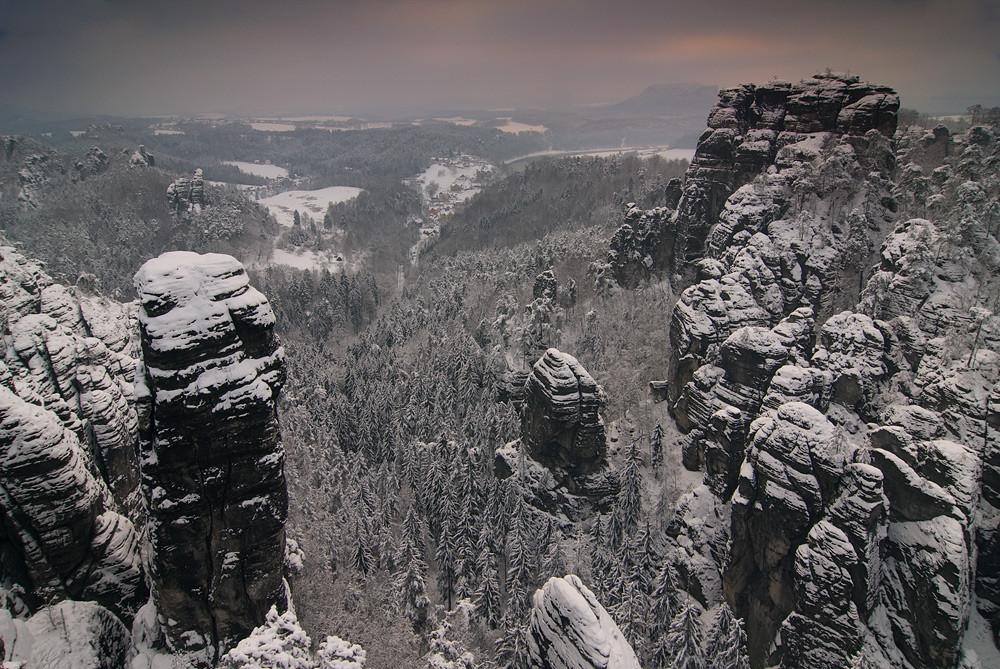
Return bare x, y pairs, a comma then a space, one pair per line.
571, 630
211, 454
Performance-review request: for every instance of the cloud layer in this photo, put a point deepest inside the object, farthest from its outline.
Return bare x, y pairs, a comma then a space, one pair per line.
157, 57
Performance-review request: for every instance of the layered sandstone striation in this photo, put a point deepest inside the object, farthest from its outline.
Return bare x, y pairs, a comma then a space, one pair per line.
69, 477
570, 628
211, 453
835, 370
561, 426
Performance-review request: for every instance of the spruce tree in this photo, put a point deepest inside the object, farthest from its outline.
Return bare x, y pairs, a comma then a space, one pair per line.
682, 646
661, 613
656, 447
727, 642
489, 604
512, 645
628, 503
411, 586
447, 562
364, 561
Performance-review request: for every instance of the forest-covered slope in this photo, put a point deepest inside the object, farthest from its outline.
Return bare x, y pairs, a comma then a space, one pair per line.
814, 301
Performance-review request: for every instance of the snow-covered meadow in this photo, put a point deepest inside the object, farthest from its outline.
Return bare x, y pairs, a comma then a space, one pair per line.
256, 169
313, 202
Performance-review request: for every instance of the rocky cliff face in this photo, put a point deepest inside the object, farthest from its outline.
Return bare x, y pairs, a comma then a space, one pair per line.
843, 413
752, 128
211, 454
68, 472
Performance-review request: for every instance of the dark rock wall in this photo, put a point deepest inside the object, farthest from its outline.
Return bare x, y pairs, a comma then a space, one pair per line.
747, 129
561, 427
211, 455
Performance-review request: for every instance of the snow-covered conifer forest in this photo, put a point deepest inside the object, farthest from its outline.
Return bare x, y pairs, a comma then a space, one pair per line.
471, 405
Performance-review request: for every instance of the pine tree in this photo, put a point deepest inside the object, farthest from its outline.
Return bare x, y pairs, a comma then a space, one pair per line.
553, 563
411, 586
656, 447
681, 648
644, 559
661, 612
631, 615
512, 645
727, 642
628, 503
489, 604
447, 562
599, 558
364, 561
520, 567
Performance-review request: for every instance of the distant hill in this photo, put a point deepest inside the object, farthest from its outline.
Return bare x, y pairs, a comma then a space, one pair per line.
669, 100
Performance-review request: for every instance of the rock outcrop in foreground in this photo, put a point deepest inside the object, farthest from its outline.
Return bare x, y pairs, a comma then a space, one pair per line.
570, 629
68, 474
211, 453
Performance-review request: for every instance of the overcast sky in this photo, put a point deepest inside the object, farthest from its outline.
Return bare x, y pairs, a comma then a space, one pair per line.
135, 57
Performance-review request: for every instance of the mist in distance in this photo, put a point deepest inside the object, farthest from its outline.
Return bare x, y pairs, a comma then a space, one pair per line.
399, 57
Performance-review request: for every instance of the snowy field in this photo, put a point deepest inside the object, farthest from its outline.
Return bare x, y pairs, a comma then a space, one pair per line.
455, 176
266, 171
373, 125
312, 202
457, 120
307, 260
515, 127
273, 127
313, 119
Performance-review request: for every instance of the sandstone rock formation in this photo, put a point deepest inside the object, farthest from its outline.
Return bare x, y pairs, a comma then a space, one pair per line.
747, 130
142, 158
94, 162
561, 427
211, 454
562, 453
185, 193
69, 477
844, 416
570, 629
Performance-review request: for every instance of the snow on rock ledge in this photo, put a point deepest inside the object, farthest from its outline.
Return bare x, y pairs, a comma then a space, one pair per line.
571, 630
211, 454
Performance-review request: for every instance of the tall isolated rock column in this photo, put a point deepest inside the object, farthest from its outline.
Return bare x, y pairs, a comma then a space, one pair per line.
211, 455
